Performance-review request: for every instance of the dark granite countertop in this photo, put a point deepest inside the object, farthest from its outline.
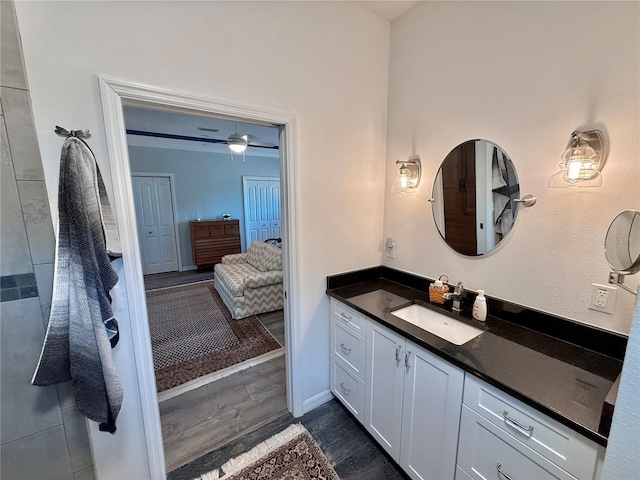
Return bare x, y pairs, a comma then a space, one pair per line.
560, 378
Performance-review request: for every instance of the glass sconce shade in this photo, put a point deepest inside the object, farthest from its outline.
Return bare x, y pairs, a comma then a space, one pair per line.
581, 162
237, 146
408, 176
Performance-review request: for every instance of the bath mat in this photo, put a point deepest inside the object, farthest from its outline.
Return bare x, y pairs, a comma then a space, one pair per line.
290, 454
193, 334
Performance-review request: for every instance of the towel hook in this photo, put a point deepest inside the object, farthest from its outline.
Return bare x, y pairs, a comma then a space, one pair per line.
63, 132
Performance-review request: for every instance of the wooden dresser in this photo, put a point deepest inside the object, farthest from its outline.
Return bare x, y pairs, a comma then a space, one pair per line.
213, 239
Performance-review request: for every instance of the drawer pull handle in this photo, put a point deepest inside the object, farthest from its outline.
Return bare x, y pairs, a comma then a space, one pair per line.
346, 350
407, 356
508, 419
500, 472
346, 390
398, 348
345, 316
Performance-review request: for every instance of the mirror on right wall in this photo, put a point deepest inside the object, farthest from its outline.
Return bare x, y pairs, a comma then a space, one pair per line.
475, 197
622, 247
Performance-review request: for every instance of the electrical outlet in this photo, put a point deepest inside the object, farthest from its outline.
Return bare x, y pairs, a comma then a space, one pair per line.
603, 298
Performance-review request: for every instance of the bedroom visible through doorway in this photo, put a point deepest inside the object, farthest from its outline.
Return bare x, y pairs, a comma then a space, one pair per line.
185, 179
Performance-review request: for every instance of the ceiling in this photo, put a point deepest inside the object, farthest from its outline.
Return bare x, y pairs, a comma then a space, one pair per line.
387, 10
174, 123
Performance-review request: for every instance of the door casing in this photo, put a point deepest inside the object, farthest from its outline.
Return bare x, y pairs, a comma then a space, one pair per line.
114, 94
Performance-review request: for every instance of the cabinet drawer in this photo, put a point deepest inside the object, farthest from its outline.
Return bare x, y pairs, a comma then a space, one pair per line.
349, 317
563, 446
232, 229
485, 450
216, 230
349, 347
348, 388
200, 231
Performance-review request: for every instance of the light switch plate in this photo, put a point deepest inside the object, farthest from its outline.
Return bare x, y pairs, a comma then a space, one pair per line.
603, 298
391, 251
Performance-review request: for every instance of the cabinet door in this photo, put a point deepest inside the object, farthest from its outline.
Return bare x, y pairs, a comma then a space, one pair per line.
385, 376
430, 415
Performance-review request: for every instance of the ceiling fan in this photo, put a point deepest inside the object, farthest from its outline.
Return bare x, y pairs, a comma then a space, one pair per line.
238, 142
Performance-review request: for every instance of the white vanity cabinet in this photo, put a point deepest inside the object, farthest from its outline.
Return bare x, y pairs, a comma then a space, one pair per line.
348, 347
412, 404
436, 421
499, 432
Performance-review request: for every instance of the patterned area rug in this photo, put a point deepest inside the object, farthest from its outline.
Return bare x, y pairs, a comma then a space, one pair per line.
290, 455
193, 334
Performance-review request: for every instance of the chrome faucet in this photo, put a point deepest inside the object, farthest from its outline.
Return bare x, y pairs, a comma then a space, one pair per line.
456, 296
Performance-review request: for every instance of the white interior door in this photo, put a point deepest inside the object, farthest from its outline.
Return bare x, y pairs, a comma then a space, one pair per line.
261, 208
153, 198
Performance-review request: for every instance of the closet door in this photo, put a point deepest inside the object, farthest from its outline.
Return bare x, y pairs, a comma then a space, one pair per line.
153, 200
261, 208
274, 208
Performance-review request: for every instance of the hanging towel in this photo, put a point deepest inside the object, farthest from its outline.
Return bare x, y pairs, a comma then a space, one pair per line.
82, 328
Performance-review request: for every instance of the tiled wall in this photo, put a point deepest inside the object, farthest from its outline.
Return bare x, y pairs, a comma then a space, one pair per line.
42, 435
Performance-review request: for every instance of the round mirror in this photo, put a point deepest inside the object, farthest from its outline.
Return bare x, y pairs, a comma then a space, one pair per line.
473, 197
622, 243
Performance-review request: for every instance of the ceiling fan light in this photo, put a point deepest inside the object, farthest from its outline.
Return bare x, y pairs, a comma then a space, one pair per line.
237, 146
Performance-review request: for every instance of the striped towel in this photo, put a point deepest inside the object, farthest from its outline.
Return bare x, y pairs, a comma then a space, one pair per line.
82, 328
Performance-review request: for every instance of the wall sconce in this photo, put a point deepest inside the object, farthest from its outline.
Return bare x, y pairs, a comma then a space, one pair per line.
581, 161
408, 176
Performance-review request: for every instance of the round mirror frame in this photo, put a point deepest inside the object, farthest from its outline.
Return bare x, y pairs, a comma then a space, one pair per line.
508, 194
616, 241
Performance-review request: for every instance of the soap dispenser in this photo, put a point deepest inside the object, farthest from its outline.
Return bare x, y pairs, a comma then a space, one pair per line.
480, 307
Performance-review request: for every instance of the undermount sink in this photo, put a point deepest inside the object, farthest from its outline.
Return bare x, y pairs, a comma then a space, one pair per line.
440, 325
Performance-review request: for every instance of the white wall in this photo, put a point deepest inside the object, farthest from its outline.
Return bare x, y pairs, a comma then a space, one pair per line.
523, 75
210, 183
327, 62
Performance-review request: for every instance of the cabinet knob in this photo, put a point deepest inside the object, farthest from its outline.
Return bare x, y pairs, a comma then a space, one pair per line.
346, 350
398, 348
346, 390
407, 356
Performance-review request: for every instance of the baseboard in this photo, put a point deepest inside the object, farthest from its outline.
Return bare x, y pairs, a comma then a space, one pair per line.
188, 268
317, 400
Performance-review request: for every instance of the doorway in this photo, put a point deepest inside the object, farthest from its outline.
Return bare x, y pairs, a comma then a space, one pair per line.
115, 94
205, 358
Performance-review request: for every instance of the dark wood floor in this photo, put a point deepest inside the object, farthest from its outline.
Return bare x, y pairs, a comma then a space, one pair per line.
345, 443
211, 416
